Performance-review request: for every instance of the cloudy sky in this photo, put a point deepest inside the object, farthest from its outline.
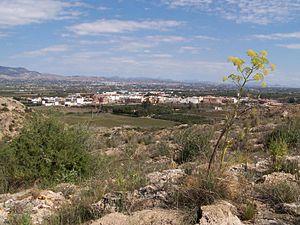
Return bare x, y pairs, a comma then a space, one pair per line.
172, 39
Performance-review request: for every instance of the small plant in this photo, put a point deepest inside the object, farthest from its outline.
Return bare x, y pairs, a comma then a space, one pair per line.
130, 151
288, 132
22, 219
163, 149
198, 190
194, 142
278, 149
249, 211
129, 178
281, 192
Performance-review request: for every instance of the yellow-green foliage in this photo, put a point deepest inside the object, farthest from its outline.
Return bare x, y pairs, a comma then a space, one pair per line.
256, 70
278, 149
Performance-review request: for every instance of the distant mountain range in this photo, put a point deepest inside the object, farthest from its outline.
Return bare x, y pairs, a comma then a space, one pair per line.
20, 73
23, 74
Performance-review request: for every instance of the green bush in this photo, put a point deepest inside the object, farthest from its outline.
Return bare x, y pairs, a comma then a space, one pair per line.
288, 132
46, 151
278, 148
194, 143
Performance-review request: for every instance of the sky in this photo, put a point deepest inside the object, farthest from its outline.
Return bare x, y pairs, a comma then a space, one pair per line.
186, 40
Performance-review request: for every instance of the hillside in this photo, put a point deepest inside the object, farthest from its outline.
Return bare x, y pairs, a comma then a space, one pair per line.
11, 117
58, 174
22, 74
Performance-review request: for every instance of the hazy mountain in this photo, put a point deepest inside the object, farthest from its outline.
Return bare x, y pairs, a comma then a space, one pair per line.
19, 73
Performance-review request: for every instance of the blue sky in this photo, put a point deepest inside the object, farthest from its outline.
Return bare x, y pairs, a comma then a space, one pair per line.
171, 39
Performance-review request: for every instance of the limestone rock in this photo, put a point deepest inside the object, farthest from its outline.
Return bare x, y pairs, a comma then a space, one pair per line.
292, 208
144, 217
221, 213
278, 177
38, 204
11, 117
166, 176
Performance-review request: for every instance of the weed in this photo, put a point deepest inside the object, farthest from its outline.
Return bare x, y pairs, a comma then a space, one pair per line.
282, 192
194, 142
19, 219
249, 211
278, 148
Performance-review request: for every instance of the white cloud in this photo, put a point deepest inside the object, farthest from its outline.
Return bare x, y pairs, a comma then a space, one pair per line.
121, 26
160, 65
192, 49
187, 3
2, 34
244, 11
204, 37
165, 39
289, 46
278, 36
45, 51
20, 12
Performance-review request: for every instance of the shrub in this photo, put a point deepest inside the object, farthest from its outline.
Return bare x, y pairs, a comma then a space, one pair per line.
163, 149
281, 192
194, 142
71, 215
278, 149
46, 151
19, 219
249, 211
288, 132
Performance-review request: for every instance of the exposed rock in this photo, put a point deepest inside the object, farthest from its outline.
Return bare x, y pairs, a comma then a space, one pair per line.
67, 189
153, 195
145, 217
221, 213
11, 117
38, 204
110, 203
146, 198
267, 216
166, 176
292, 208
116, 152
278, 177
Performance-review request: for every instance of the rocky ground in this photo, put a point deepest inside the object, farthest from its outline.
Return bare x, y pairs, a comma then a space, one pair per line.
11, 117
247, 191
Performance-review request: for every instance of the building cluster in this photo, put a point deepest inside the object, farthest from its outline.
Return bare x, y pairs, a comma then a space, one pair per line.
125, 97
71, 100
156, 98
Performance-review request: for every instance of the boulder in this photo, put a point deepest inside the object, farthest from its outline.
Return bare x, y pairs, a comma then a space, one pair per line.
38, 204
220, 213
144, 217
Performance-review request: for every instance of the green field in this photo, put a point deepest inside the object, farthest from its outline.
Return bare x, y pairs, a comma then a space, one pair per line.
110, 120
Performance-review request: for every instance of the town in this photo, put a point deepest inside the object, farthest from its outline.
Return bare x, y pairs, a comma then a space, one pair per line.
153, 97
